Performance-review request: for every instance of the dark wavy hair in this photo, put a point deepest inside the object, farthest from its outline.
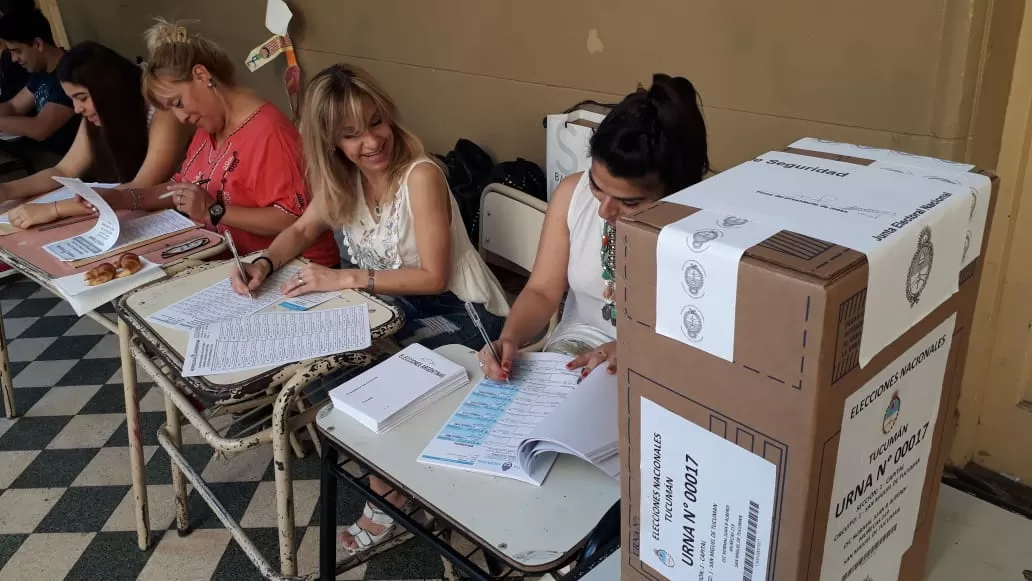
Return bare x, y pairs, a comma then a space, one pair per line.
120, 143
24, 26
656, 131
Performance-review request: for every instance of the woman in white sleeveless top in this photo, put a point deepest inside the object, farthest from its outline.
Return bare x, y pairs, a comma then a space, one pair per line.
650, 145
401, 225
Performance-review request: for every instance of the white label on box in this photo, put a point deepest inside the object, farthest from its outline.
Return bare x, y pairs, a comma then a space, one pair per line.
882, 462
707, 505
931, 168
911, 228
695, 302
881, 155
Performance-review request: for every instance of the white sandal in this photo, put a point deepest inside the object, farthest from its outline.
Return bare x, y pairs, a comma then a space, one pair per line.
363, 538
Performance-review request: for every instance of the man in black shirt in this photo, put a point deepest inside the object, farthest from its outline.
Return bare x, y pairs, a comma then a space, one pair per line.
12, 75
41, 111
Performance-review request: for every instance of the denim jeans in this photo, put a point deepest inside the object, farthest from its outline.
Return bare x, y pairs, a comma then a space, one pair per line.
436, 320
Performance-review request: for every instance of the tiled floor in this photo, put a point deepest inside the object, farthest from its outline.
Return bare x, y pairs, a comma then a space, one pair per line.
66, 510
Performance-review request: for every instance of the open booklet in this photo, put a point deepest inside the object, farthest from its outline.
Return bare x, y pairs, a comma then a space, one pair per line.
517, 429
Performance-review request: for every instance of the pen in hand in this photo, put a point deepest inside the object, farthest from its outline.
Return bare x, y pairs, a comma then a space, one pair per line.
236, 258
198, 183
472, 312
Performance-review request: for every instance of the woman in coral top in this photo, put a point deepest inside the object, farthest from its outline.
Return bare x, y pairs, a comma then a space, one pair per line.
243, 172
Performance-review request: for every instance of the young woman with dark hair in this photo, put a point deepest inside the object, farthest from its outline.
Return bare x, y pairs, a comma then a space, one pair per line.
120, 138
649, 146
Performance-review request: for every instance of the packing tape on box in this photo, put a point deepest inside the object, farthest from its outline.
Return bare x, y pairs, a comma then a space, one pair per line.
918, 220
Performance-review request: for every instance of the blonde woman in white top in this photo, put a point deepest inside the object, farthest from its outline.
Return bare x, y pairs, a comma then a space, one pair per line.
370, 177
650, 145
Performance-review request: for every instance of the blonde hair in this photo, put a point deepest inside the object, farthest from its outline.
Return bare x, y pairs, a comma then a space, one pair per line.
332, 97
174, 52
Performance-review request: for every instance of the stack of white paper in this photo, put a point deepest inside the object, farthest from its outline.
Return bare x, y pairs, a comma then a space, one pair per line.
584, 425
517, 429
397, 389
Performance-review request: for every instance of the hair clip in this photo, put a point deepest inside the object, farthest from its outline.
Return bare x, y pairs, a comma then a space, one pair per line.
176, 34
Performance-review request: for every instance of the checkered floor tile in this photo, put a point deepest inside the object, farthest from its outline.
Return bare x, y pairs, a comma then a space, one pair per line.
66, 509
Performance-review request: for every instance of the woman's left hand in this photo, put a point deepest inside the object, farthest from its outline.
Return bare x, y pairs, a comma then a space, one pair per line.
605, 353
190, 199
313, 278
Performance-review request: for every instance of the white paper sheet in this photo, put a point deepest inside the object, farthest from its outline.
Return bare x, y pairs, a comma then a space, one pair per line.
152, 226
585, 424
62, 193
270, 339
707, 504
95, 241
196, 310
84, 299
876, 154
912, 229
695, 302
979, 186
277, 17
308, 301
882, 462
484, 433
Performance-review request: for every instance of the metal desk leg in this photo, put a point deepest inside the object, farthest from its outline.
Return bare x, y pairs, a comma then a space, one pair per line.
284, 485
132, 416
6, 381
173, 428
328, 516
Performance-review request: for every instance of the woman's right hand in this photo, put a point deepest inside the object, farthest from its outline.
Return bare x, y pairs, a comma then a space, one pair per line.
256, 275
28, 215
506, 349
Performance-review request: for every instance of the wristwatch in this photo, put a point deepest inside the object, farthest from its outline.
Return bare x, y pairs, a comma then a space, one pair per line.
216, 211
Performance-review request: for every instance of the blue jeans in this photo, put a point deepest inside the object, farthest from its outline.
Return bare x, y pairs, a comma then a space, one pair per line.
436, 320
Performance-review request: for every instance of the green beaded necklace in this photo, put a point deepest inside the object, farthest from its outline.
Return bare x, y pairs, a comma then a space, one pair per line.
608, 272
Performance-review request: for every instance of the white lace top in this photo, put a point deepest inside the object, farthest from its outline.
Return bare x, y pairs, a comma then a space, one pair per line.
391, 244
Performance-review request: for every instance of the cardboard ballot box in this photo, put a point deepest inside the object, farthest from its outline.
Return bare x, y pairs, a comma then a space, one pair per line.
787, 400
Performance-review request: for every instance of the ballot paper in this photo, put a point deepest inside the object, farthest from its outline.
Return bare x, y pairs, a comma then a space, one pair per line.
516, 428
60, 194
153, 225
308, 301
585, 425
405, 384
196, 310
271, 339
95, 241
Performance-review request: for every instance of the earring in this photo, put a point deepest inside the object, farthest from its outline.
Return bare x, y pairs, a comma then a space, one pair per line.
211, 83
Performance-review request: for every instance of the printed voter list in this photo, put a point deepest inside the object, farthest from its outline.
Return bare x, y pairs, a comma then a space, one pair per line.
707, 504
